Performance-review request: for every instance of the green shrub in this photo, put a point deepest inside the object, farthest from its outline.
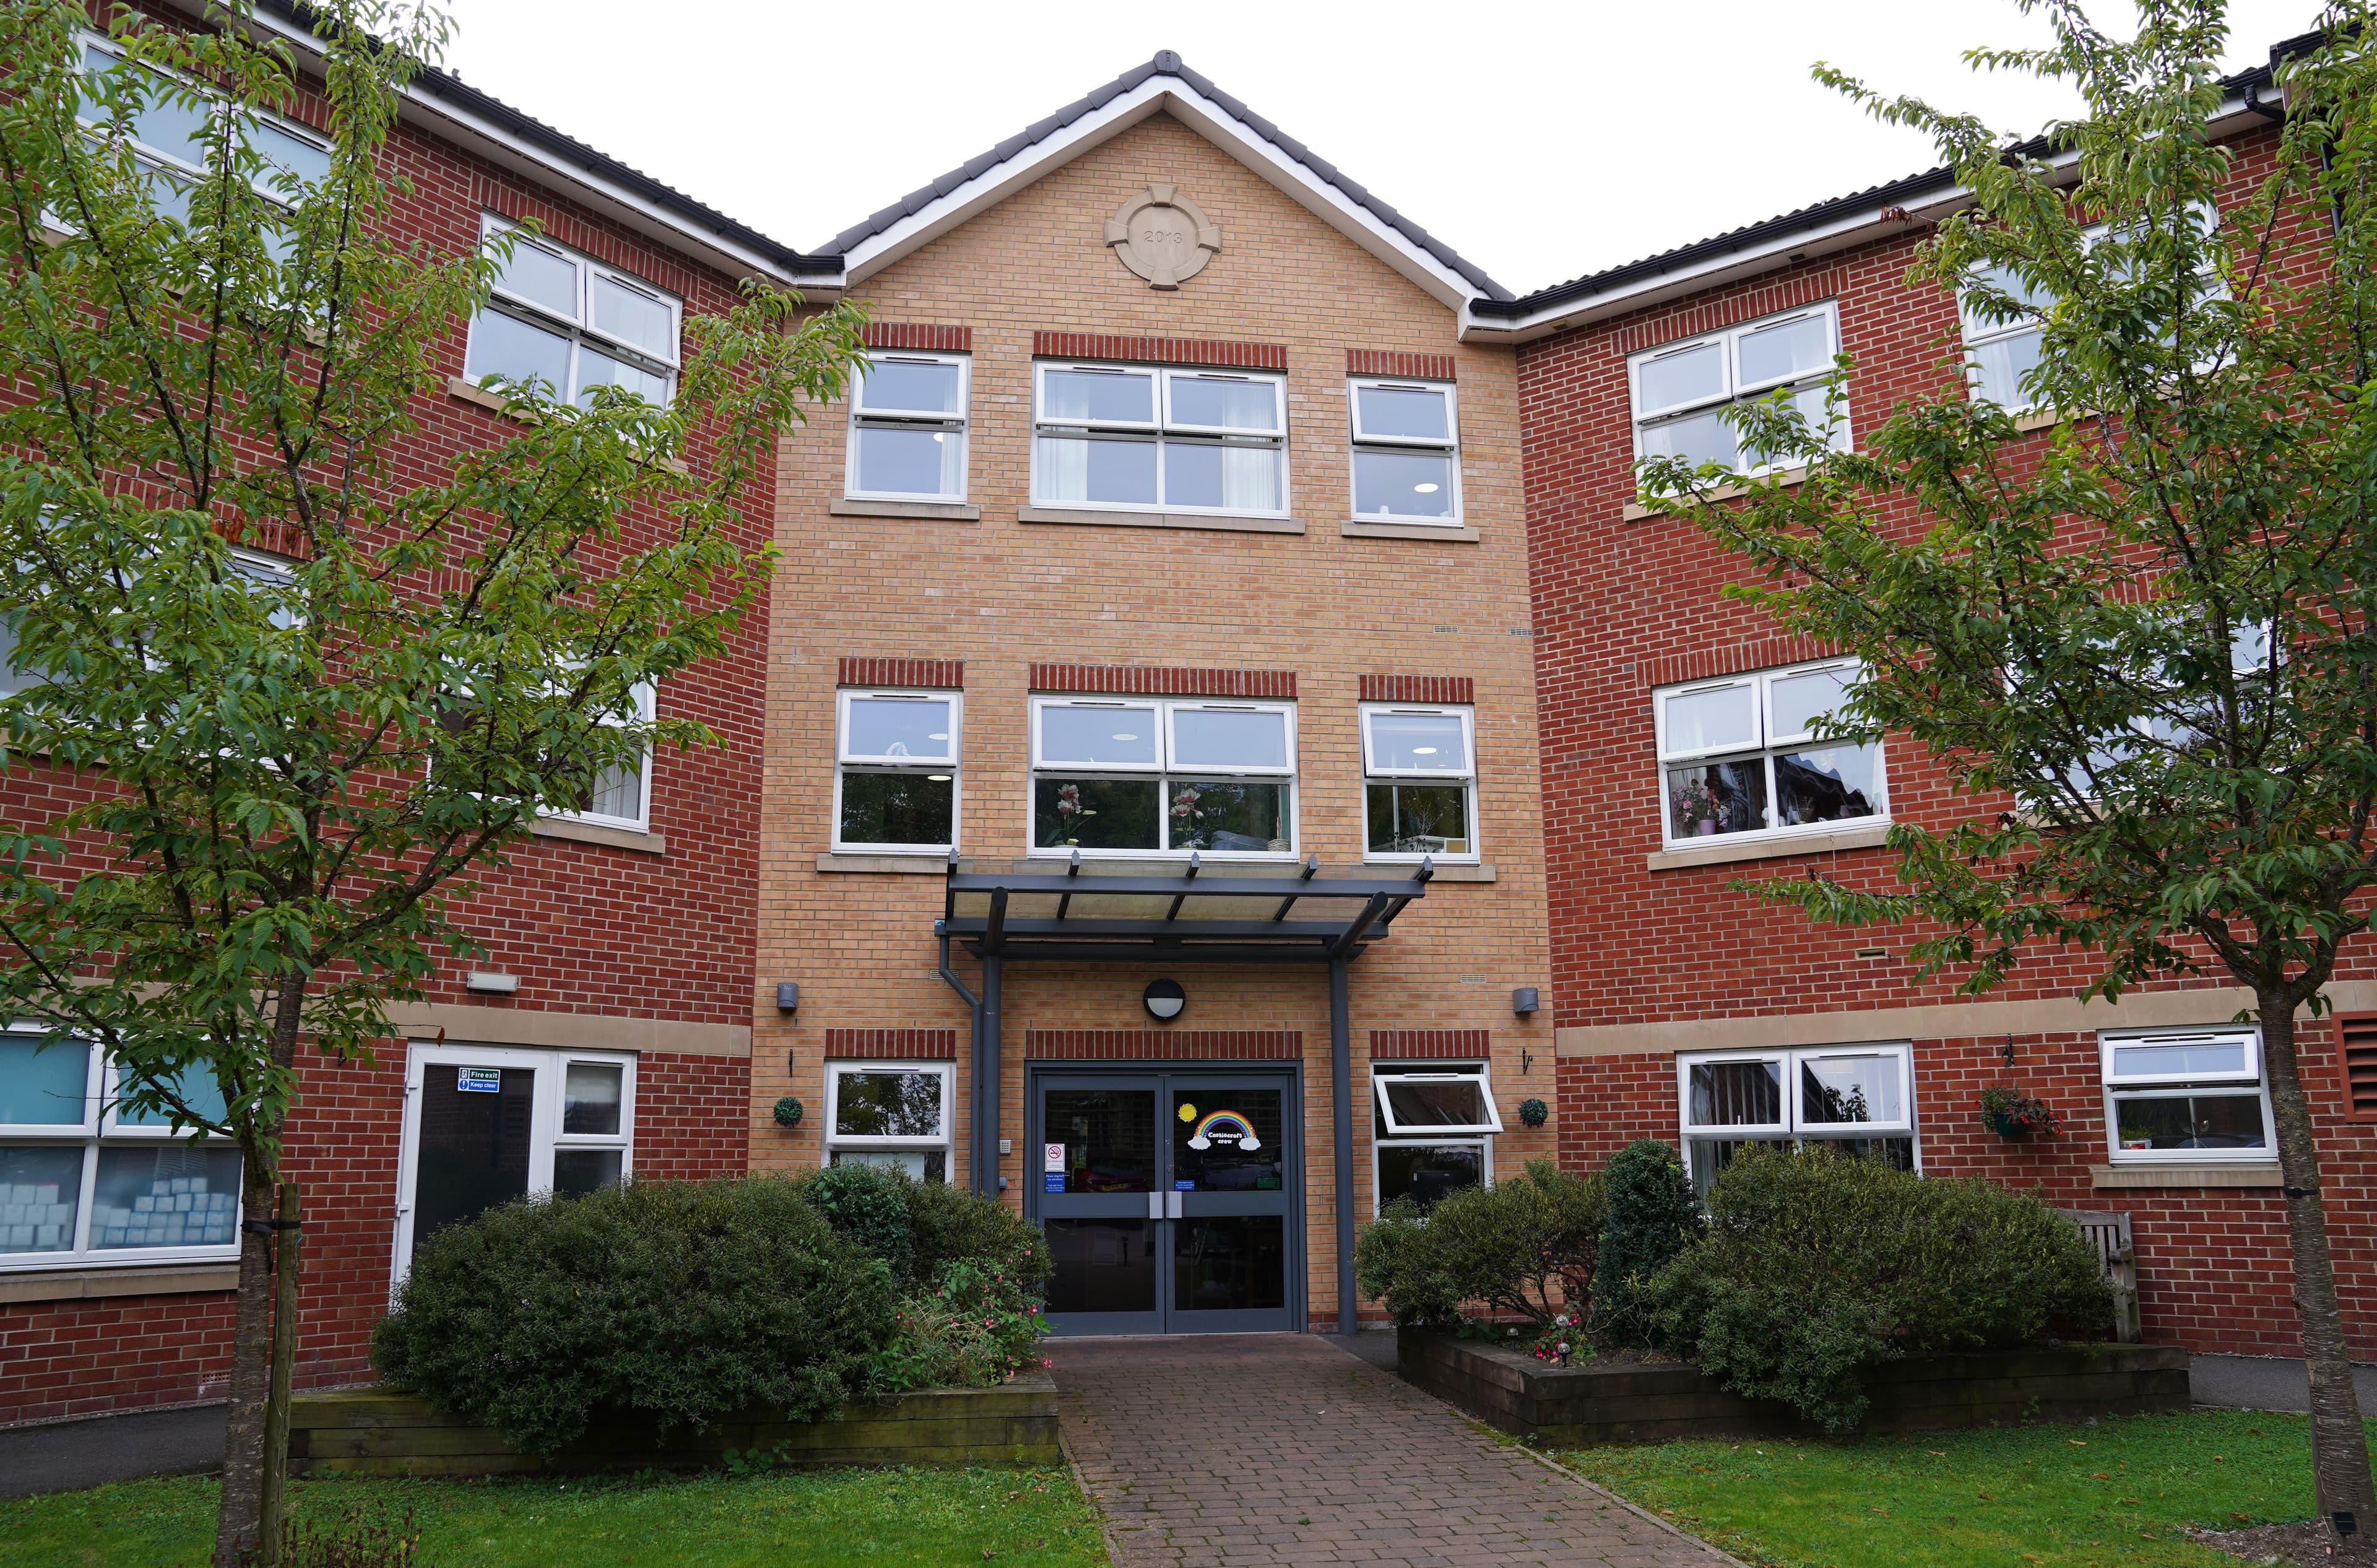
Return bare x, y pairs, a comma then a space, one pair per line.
947, 1224
1818, 1267
1653, 1216
671, 1301
976, 1327
1521, 1247
869, 1206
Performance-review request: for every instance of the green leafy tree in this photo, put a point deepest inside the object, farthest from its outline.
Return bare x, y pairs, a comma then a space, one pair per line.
1653, 1216
2143, 655
294, 774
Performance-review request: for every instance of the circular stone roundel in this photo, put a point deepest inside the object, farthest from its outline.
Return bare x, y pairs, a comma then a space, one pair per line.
1162, 236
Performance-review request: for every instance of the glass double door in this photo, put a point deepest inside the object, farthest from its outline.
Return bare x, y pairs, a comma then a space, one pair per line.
1170, 1199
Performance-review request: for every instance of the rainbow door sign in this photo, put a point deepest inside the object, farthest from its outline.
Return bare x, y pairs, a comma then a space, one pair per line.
1226, 1127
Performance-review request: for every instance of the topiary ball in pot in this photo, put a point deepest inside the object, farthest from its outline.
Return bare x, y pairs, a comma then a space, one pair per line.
1533, 1112
1653, 1216
788, 1112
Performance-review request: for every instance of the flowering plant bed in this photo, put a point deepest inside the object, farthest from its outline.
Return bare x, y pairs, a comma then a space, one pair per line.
1614, 1400
386, 1431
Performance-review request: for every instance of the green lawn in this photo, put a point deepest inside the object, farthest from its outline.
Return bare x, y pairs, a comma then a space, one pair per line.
872, 1518
2070, 1496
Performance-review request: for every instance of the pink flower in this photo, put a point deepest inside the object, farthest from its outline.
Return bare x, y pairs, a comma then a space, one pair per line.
1045, 1362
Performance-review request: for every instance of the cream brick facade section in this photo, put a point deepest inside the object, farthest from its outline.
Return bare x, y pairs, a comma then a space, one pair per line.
1000, 595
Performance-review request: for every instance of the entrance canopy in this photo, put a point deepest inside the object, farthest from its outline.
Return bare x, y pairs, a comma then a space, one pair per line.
1208, 915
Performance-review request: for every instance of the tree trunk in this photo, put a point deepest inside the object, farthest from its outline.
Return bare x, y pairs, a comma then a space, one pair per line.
2339, 1443
237, 1519
286, 1255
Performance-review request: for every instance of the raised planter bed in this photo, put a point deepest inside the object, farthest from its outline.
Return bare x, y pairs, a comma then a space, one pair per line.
381, 1431
1577, 1407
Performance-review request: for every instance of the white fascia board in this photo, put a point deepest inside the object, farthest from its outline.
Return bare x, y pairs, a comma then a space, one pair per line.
1210, 120
500, 147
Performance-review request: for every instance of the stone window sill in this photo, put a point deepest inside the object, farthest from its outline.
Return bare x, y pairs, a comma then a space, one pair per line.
1460, 871
1437, 533
897, 865
1717, 852
2211, 1173
594, 832
946, 511
1083, 517
1636, 511
131, 1279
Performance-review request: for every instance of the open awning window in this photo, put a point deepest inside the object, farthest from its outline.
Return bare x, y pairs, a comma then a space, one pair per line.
1425, 1101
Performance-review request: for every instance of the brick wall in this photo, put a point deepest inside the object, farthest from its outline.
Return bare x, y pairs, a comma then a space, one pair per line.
1056, 608
1627, 602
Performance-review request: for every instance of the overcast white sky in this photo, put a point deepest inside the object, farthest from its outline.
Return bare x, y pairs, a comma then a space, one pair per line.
1538, 141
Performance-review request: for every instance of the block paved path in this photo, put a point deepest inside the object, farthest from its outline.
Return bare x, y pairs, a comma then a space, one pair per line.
1259, 1449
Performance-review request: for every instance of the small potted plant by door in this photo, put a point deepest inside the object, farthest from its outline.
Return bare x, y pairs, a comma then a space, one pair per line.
2009, 1113
1696, 807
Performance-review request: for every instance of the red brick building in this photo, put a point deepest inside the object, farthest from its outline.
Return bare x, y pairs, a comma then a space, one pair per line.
609, 1025
1676, 760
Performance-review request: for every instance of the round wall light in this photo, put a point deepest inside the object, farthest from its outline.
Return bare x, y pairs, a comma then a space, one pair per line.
1164, 999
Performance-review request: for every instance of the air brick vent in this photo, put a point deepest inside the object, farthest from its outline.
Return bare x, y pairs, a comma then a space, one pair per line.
2358, 1033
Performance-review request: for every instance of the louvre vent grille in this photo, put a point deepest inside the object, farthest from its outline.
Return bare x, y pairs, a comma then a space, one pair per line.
2358, 1033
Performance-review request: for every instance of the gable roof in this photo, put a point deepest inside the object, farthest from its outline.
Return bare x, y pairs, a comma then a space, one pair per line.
1164, 84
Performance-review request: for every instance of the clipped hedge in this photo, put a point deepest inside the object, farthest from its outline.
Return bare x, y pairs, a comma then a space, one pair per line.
680, 1301
1818, 1266
1653, 1216
1524, 1246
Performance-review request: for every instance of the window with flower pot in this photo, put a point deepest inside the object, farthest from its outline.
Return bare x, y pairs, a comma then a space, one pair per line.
1419, 782
1858, 1099
1744, 755
893, 1113
1431, 1131
87, 1177
2187, 1096
1144, 777
895, 781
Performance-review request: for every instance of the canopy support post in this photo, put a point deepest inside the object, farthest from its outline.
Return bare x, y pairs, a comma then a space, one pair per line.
1341, 1090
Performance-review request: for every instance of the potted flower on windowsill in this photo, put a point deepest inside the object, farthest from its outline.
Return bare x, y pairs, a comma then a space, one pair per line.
2009, 1113
1696, 806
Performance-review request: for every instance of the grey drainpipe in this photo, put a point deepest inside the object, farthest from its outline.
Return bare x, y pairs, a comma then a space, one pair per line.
1341, 1091
985, 1108
973, 1033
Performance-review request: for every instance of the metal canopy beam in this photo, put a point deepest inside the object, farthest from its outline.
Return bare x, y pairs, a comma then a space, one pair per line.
1337, 917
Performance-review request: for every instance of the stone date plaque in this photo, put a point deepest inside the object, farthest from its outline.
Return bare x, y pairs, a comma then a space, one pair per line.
1162, 236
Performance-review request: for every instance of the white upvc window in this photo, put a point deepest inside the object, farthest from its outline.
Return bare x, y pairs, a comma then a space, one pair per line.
1432, 1130
562, 318
2186, 1095
1144, 776
1419, 783
621, 794
1859, 1100
484, 1124
1999, 353
1681, 390
1406, 450
85, 1179
908, 417
1739, 756
895, 785
173, 139
894, 1114
1119, 437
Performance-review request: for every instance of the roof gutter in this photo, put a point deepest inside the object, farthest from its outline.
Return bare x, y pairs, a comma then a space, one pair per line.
443, 107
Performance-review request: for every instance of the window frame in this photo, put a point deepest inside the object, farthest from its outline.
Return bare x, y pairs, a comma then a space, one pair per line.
2114, 1089
1765, 747
1449, 1138
1794, 1129
960, 424
1373, 773
167, 160
843, 759
1735, 392
1158, 432
1164, 772
1358, 442
96, 1132
546, 1137
1382, 1076
647, 708
580, 332
889, 1143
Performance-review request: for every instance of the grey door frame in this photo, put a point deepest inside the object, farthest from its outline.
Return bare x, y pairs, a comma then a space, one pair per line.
1157, 1075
